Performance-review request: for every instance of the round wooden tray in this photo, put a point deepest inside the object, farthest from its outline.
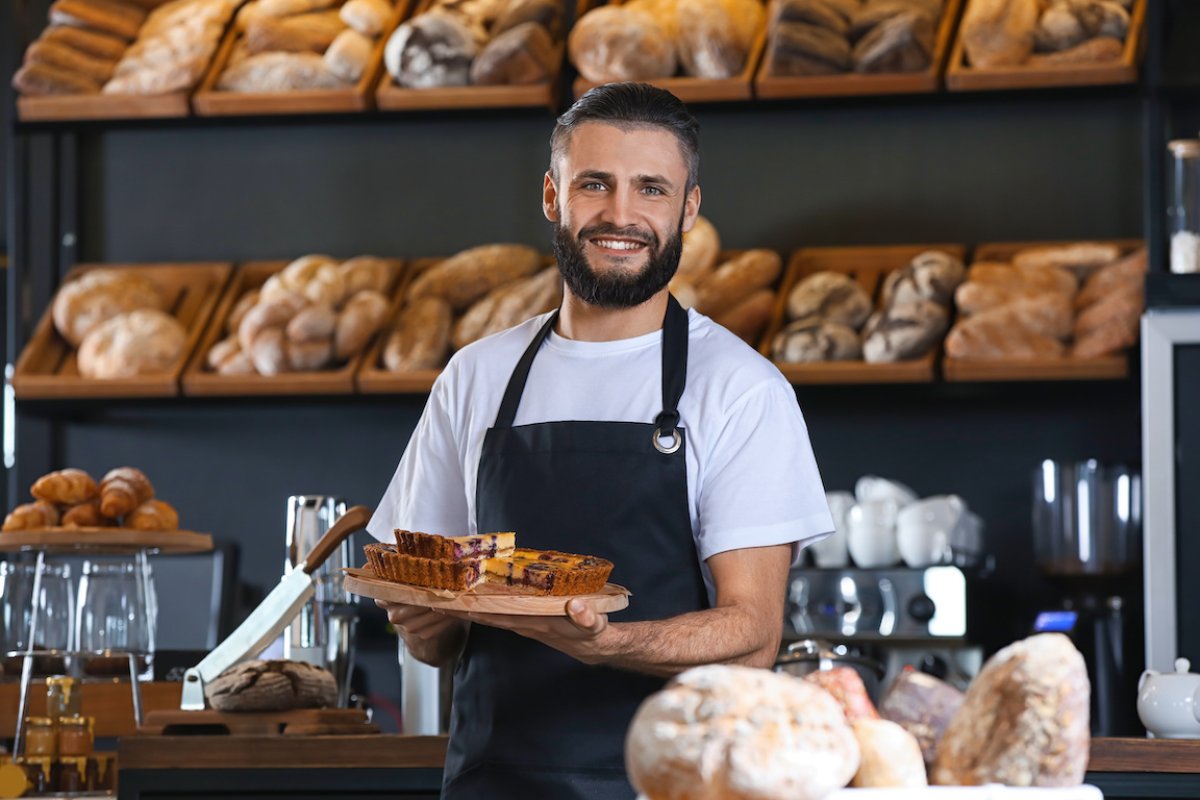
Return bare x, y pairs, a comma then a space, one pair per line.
485, 599
105, 540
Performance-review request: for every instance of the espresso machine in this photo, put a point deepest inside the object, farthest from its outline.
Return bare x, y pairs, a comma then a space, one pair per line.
1087, 523
322, 633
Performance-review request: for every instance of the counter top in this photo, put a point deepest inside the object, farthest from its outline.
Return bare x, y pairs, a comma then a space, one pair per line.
1179, 756
267, 752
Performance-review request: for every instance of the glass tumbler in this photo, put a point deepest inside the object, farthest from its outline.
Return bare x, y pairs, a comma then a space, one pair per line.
53, 610
115, 618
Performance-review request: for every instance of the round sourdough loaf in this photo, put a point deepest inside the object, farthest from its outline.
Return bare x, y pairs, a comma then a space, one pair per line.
1024, 721
738, 733
272, 686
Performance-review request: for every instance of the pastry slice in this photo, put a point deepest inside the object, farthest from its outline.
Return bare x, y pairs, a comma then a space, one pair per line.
430, 573
548, 572
425, 545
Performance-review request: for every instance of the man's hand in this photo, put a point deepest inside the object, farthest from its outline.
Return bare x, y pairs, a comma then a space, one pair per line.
431, 636
583, 634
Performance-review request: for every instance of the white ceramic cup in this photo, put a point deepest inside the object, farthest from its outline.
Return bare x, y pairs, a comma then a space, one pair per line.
925, 529
871, 533
872, 487
832, 551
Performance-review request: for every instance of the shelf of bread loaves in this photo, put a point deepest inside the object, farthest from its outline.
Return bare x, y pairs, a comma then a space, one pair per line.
298, 327
1011, 44
820, 48
1037, 311
119, 331
701, 50
300, 57
475, 54
112, 59
71, 510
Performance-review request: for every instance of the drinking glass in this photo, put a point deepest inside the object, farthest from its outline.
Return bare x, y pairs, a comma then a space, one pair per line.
115, 616
53, 609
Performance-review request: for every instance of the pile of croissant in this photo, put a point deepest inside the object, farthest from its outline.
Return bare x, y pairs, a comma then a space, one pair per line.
316, 313
71, 498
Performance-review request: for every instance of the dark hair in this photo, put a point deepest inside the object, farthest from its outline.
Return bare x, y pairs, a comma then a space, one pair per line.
632, 105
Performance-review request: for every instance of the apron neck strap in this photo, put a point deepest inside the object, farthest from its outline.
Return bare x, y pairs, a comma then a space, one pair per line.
674, 369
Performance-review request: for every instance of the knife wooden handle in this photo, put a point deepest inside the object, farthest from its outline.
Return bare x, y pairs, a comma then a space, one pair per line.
355, 519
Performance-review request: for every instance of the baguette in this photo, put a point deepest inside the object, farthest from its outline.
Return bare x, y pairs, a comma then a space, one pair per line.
1123, 305
421, 338
470, 275
279, 72
748, 318
67, 58
1080, 259
701, 247
1046, 278
306, 33
1102, 48
993, 335
42, 79
97, 45
106, 16
736, 280
999, 33
1130, 269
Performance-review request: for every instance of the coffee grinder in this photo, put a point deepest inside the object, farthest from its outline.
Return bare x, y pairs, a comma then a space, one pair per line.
1087, 522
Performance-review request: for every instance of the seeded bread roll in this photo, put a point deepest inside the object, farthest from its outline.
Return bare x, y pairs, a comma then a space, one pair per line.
739, 733
1024, 721
923, 706
612, 43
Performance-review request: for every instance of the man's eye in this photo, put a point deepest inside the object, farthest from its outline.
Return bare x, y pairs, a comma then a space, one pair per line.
652, 190
593, 186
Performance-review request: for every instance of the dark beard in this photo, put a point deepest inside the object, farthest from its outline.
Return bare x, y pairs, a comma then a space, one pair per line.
616, 290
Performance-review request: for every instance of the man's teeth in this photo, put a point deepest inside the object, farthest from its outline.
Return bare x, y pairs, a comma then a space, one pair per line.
613, 244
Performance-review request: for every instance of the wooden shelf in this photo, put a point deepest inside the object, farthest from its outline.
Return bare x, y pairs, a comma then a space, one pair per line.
47, 369
1145, 755
868, 266
109, 702
778, 87
209, 102
962, 77
379, 751
105, 540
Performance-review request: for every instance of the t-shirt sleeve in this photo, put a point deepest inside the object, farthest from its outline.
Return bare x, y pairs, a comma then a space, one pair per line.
761, 485
427, 493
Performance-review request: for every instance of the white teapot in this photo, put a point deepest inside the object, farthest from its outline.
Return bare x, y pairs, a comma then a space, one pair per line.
1168, 703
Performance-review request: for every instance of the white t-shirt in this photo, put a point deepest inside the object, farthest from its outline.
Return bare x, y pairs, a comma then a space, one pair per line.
752, 479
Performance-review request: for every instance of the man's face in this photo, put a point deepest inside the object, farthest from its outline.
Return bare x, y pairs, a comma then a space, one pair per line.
620, 206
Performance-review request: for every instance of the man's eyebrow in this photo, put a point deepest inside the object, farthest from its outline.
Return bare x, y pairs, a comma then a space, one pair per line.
657, 179
594, 174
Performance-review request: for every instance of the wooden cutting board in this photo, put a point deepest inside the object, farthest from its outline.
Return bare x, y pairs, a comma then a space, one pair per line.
301, 721
484, 599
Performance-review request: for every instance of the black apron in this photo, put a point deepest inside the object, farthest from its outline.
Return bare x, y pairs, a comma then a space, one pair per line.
527, 721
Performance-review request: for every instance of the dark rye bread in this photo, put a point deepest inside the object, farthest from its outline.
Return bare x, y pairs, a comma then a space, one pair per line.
426, 545
430, 573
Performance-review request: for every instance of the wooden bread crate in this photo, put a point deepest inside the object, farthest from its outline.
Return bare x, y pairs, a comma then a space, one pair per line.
869, 266
199, 380
99, 106
1067, 368
47, 368
962, 77
391, 97
768, 86
373, 377
695, 90
210, 102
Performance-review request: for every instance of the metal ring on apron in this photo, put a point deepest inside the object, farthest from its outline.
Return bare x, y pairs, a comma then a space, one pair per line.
676, 440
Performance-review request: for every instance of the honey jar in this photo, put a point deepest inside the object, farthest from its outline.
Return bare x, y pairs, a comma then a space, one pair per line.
62, 697
75, 738
41, 740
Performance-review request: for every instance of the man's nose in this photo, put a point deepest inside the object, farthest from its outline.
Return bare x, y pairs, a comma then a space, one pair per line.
619, 210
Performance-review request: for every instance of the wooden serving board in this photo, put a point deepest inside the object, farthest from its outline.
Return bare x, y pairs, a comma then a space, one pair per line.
391, 97
962, 77
198, 380
209, 102
695, 90
47, 368
485, 599
1111, 367
116, 540
869, 266
298, 722
768, 86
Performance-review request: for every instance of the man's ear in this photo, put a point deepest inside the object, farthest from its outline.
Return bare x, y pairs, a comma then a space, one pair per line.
550, 198
691, 208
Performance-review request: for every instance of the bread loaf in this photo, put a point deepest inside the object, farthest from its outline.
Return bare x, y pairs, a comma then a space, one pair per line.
740, 734
812, 12
308, 356
279, 72
348, 55
1125, 302
222, 352
432, 49
798, 48
833, 296
136, 343
1130, 269
1024, 721
268, 351
972, 297
368, 17
422, 336
813, 339
923, 706
1080, 259
93, 43
736, 280
122, 490
288, 8
715, 36
97, 296
507, 306
932, 275
271, 686
42, 79
901, 43
32, 516
519, 56
66, 487
275, 312
69, 59
366, 272
890, 756
312, 324
304, 33
613, 43
701, 248
904, 332
466, 277
104, 16
359, 320
1058, 29
998, 334
1102, 48
162, 79
997, 33
1044, 279
748, 318
846, 687
547, 13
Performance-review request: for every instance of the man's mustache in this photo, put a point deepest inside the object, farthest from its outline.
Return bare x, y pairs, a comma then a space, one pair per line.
628, 232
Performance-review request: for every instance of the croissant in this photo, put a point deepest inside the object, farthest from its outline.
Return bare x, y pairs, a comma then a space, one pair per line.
122, 490
66, 487
31, 516
86, 515
153, 515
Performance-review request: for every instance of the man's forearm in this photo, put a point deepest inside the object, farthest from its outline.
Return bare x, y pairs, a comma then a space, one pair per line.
441, 649
729, 635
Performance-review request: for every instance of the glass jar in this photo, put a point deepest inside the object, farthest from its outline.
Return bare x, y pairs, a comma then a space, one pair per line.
52, 612
62, 697
75, 739
41, 740
115, 618
1183, 214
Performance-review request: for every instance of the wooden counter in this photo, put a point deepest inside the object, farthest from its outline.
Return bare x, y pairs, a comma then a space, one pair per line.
1145, 755
109, 703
